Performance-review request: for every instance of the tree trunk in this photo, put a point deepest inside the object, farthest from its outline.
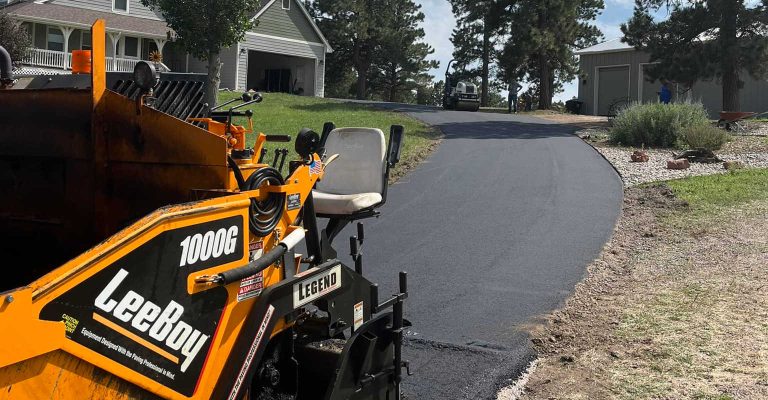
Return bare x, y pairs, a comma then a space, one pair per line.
546, 75
214, 78
546, 79
392, 84
362, 80
484, 95
729, 57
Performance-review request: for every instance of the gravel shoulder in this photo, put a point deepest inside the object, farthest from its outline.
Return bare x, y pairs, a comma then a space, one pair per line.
674, 308
750, 150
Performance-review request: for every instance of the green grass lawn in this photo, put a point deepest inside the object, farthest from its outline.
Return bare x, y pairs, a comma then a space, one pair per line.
286, 114
706, 193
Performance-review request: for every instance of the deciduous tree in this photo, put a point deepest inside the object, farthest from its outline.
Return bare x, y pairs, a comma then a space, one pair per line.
204, 27
13, 37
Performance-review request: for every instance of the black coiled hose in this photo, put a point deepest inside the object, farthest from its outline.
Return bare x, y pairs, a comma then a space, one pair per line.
265, 215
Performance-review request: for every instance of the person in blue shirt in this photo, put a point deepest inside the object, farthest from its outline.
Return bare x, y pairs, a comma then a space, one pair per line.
665, 95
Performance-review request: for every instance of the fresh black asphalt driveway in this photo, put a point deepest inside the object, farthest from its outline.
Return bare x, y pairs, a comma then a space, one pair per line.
494, 230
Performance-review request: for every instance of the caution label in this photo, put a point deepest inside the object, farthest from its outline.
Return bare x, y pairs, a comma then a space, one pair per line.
251, 287
358, 315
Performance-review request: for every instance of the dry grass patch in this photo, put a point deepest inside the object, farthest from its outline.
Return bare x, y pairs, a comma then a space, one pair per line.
674, 309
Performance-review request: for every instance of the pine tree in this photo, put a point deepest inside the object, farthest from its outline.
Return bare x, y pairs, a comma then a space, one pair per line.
542, 38
430, 93
353, 30
475, 37
400, 63
702, 40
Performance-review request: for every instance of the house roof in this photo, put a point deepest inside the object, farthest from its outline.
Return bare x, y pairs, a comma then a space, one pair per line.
83, 18
610, 46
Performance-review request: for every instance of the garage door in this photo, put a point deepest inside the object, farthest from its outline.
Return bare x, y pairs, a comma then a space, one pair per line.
612, 87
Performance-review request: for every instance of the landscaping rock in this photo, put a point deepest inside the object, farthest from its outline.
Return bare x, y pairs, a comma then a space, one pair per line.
567, 358
752, 152
640, 156
678, 164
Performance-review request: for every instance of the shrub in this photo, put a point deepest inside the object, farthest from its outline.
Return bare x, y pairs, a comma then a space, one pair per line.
704, 136
656, 124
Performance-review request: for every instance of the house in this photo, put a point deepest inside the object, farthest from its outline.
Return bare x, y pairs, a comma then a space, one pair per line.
285, 52
613, 72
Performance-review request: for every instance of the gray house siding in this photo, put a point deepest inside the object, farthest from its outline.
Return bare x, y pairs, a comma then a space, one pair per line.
320, 78
135, 8
753, 96
229, 68
291, 24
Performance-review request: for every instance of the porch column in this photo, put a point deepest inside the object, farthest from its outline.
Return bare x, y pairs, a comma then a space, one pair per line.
160, 43
66, 32
115, 38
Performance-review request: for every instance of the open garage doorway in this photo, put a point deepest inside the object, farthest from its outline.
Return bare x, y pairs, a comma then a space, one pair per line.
269, 72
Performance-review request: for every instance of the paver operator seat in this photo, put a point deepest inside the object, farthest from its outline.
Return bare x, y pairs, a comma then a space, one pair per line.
355, 184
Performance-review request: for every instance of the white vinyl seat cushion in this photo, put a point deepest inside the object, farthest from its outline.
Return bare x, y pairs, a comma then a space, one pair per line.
344, 204
355, 180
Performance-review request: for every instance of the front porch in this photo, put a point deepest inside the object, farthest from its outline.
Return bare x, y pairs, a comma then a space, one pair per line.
61, 60
53, 46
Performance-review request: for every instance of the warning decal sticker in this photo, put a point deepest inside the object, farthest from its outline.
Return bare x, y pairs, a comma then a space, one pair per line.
250, 287
358, 315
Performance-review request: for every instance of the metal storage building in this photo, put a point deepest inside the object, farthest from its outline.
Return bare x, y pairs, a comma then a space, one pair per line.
613, 72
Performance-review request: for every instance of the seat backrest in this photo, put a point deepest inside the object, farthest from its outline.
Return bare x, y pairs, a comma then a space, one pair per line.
360, 167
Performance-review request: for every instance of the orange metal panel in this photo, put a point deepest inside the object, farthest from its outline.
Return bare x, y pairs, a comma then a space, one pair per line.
98, 61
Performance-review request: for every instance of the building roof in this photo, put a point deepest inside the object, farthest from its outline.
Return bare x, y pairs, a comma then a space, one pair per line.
610, 46
83, 18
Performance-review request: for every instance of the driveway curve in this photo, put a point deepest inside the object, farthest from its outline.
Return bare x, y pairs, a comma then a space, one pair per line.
495, 229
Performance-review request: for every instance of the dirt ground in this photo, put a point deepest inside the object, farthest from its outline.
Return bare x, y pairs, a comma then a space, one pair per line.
675, 308
584, 121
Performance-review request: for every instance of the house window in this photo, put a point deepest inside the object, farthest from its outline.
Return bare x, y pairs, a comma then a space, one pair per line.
120, 6
55, 39
131, 47
85, 41
287, 4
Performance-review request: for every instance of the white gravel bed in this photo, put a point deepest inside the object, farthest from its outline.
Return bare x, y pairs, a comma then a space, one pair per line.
656, 168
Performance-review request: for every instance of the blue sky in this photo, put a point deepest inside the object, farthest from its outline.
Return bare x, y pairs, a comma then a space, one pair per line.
439, 23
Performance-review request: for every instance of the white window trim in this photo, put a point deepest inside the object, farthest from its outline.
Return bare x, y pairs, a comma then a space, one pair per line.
284, 39
118, 11
597, 83
48, 31
282, 4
